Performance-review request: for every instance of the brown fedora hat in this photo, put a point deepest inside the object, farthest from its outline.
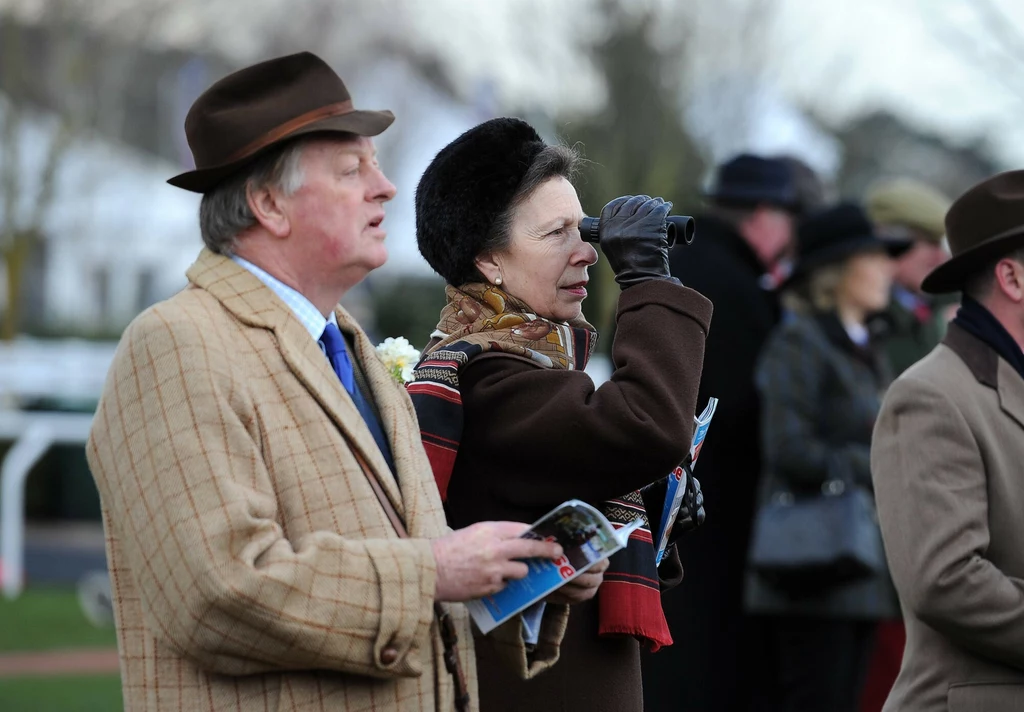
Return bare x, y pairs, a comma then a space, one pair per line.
257, 107
982, 225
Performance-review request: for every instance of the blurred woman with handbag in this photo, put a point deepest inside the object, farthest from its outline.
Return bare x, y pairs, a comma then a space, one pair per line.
817, 570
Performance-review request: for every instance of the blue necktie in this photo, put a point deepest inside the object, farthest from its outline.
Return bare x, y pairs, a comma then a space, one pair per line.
337, 354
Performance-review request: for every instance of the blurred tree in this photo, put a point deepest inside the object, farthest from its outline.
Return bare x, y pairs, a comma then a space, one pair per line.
883, 145
986, 34
406, 306
27, 186
637, 144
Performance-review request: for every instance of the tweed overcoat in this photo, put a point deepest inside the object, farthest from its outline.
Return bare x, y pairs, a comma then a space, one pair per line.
252, 566
948, 465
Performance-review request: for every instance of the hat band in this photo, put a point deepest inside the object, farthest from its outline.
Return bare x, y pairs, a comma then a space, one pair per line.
342, 107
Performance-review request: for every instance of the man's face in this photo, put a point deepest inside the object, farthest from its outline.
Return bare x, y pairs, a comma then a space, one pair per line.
335, 217
916, 263
769, 230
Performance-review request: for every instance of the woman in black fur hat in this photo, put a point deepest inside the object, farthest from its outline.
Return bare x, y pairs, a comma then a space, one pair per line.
512, 425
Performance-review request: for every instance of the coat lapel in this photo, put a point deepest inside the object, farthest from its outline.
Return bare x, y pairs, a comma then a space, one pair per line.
989, 369
400, 427
254, 304
1011, 392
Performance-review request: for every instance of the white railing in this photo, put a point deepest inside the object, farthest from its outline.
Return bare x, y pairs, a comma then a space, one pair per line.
34, 369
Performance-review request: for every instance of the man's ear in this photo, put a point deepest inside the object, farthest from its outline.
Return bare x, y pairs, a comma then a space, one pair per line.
1010, 277
266, 207
489, 266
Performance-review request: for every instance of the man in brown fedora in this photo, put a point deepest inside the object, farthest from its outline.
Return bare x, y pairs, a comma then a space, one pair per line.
275, 537
947, 467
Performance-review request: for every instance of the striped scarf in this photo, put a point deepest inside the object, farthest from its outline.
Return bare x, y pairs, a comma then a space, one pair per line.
479, 318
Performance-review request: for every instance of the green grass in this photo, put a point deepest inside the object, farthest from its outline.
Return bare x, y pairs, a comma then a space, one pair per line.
51, 619
100, 693
48, 619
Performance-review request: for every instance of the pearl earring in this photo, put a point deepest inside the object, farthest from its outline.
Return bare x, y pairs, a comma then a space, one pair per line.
497, 280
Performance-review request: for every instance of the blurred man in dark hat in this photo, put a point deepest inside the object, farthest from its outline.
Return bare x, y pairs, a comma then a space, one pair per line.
946, 464
736, 259
274, 534
906, 209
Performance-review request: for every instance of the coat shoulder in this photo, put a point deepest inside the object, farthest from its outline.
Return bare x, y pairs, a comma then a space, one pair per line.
943, 377
800, 331
942, 368
190, 317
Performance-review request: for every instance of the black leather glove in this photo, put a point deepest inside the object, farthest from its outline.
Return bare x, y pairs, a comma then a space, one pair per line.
691, 511
634, 238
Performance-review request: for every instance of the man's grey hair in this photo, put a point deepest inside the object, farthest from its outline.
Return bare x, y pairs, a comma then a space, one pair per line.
224, 212
979, 285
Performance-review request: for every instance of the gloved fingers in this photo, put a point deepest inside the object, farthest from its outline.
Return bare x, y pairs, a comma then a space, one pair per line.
655, 208
631, 206
614, 207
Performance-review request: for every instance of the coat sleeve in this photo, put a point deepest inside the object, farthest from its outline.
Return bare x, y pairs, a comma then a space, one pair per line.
932, 498
182, 477
791, 376
567, 439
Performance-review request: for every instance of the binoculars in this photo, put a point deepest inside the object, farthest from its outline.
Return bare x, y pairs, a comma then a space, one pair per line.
680, 227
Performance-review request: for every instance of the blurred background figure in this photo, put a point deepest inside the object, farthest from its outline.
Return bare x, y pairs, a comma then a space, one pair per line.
907, 209
744, 234
821, 379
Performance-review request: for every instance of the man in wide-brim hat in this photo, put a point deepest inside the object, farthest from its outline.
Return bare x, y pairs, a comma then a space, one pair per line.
259, 465
946, 462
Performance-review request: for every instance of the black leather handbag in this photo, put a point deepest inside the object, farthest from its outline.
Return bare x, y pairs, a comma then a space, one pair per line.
805, 543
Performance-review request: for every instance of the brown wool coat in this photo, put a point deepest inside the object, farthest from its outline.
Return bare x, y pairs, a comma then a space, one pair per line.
252, 566
948, 467
535, 437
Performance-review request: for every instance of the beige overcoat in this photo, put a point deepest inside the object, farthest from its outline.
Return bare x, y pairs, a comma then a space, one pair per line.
252, 566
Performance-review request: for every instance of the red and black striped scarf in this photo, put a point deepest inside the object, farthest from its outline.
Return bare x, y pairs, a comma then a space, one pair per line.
479, 318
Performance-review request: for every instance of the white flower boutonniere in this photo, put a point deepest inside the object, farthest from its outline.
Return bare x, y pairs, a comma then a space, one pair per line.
400, 357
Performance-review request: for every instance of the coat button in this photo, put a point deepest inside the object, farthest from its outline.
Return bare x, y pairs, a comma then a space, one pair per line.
388, 655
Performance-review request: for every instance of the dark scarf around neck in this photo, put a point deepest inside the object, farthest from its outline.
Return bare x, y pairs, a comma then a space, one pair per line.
975, 319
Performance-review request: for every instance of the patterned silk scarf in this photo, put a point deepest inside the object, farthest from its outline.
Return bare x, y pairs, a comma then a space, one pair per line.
479, 318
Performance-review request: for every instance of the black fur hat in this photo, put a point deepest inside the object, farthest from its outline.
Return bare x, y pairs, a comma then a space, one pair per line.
465, 188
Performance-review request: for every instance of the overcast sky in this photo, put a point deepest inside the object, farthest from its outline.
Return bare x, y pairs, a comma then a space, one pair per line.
846, 56
840, 57
843, 57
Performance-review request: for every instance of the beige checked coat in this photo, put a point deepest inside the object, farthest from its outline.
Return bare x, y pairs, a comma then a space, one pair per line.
252, 566
948, 466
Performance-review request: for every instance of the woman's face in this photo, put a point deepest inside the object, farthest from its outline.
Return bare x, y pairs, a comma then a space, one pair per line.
867, 279
545, 264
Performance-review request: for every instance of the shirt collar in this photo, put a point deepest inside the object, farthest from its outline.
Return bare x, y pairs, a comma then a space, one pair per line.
304, 311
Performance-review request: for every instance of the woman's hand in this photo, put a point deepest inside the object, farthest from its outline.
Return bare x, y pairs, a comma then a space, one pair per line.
583, 587
691, 512
634, 238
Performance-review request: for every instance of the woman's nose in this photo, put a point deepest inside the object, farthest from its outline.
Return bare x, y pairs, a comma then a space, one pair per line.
585, 254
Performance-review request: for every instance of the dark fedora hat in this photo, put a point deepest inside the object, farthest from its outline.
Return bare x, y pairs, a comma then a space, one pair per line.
982, 225
747, 179
834, 234
260, 106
